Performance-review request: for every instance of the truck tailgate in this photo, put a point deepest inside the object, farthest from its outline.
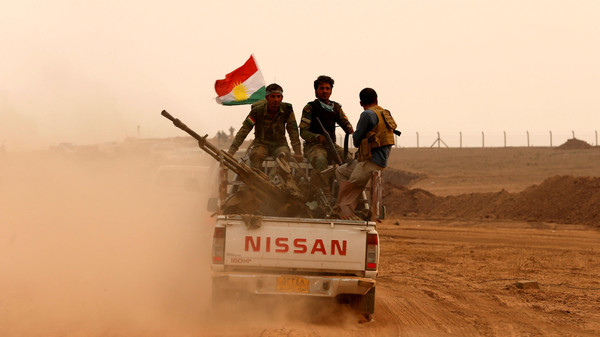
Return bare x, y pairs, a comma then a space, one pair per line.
296, 244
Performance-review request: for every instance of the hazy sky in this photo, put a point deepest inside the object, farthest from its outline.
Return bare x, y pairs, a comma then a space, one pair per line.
87, 72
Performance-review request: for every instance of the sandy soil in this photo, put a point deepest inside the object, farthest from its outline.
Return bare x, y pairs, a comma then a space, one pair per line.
468, 170
442, 278
441, 274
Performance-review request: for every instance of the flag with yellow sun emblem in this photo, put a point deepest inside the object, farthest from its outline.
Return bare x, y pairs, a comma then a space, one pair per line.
245, 85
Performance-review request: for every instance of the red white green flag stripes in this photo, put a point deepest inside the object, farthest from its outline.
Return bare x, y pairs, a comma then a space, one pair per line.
245, 85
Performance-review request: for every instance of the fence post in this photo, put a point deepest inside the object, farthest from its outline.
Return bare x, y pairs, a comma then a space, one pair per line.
527, 138
417, 139
482, 139
596, 137
550, 138
573, 131
504, 138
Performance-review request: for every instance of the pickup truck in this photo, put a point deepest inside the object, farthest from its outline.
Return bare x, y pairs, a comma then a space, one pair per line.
291, 256
278, 254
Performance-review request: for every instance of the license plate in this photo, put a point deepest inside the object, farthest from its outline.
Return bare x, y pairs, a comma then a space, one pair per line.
292, 284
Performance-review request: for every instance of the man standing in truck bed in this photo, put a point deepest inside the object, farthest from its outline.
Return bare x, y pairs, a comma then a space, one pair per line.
374, 138
270, 120
329, 113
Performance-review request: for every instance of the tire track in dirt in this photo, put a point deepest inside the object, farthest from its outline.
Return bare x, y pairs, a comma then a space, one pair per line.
285, 332
407, 311
458, 280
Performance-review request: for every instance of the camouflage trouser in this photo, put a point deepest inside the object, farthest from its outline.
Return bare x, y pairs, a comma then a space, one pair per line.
318, 157
258, 152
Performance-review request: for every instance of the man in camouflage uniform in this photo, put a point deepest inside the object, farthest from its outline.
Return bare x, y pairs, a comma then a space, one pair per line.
329, 113
270, 120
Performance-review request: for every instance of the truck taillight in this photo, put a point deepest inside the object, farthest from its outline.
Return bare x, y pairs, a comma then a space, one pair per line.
372, 246
218, 245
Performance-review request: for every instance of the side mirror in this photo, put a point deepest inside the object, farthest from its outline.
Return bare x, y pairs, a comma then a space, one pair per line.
212, 205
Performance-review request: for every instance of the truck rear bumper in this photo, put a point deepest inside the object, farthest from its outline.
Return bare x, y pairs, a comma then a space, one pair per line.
318, 286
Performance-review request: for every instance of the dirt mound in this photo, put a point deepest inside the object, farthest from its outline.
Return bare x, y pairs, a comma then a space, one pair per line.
575, 144
400, 178
562, 199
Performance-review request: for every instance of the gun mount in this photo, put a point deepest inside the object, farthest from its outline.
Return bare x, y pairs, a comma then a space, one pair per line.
276, 198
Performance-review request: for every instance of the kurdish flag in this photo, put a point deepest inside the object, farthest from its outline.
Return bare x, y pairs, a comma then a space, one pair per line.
245, 85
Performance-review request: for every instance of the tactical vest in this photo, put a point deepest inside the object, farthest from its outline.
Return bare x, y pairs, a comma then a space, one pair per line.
275, 131
381, 135
327, 118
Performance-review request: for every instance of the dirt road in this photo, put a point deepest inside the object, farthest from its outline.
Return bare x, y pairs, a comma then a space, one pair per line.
459, 279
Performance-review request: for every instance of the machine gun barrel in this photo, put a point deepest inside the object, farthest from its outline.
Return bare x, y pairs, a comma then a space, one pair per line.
209, 148
256, 180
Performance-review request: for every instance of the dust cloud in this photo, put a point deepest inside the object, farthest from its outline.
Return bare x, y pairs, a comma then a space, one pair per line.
283, 316
89, 246
108, 242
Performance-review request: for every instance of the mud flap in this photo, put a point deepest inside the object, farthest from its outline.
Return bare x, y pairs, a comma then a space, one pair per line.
364, 304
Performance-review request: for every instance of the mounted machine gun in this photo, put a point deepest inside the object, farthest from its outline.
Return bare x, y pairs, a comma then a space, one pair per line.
277, 199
